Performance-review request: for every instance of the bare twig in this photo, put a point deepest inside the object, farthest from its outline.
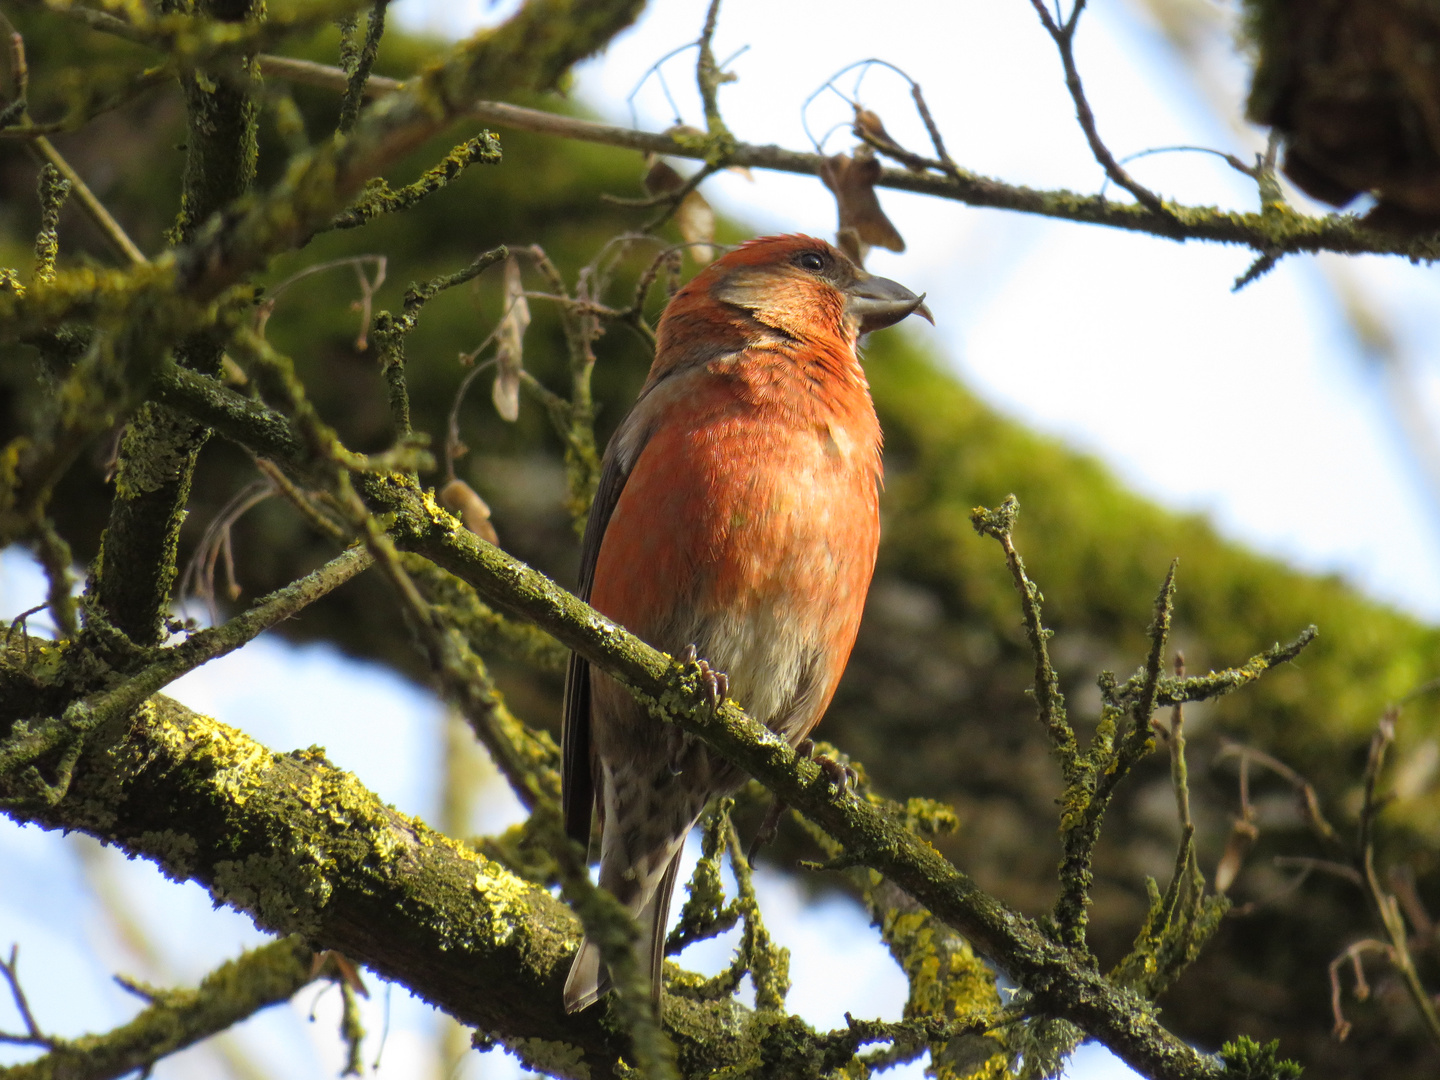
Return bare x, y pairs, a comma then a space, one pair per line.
368, 287
33, 1035
1063, 34
215, 546
1352, 956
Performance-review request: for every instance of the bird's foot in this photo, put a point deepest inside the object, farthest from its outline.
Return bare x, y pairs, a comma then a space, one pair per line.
768, 827
716, 683
841, 776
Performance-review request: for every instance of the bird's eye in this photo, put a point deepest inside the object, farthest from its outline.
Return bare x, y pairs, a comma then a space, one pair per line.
811, 260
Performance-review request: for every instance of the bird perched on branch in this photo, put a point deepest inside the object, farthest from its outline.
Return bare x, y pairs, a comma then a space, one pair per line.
738, 514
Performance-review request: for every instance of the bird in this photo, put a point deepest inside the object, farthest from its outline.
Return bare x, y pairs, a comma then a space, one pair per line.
736, 519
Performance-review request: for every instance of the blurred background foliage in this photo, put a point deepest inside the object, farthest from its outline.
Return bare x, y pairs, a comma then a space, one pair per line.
934, 700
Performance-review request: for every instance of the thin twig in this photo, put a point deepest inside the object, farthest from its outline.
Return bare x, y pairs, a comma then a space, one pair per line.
1064, 37
33, 1035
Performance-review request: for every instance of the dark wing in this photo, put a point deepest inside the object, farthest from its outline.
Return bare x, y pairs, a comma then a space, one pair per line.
577, 784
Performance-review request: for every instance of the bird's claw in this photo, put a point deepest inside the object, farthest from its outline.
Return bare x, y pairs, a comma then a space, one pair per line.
768, 828
841, 776
716, 683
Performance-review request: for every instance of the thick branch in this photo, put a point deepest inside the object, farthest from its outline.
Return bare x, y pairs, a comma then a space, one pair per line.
305, 849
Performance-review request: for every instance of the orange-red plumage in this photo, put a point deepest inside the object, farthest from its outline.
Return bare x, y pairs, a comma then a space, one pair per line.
737, 512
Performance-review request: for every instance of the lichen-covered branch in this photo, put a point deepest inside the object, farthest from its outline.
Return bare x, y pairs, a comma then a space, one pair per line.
1061, 984
138, 561
305, 849
29, 742
379, 198
1282, 230
179, 1018
1088, 796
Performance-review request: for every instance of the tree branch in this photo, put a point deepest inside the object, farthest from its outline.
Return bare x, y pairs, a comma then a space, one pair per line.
1060, 983
304, 848
180, 1018
1286, 231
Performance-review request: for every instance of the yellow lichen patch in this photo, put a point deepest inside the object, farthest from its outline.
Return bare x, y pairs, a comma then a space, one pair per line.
279, 890
551, 1058
176, 851
947, 981
503, 901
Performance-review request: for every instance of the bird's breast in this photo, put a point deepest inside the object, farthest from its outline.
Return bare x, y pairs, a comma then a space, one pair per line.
748, 528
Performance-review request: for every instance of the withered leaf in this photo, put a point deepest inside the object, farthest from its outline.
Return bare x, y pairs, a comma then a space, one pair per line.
1243, 835
868, 127
696, 222
461, 500
852, 180
509, 348
694, 217
661, 177
338, 966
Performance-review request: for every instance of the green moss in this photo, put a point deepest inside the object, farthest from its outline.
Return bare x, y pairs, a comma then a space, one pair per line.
1246, 1059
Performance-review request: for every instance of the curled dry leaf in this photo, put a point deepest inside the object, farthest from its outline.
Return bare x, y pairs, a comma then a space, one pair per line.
660, 176
461, 500
863, 223
869, 128
509, 349
1243, 835
696, 222
694, 217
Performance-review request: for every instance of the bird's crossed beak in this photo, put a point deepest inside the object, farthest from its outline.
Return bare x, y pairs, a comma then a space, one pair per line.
877, 302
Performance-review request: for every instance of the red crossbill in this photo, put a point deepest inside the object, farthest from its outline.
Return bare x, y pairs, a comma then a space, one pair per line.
738, 513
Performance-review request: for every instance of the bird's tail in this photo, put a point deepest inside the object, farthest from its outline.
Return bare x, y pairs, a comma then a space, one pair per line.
589, 979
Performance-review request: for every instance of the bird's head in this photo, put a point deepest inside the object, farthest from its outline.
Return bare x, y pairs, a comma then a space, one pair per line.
797, 285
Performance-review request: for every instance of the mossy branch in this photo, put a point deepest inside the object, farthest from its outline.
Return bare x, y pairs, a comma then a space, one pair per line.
29, 742
179, 1018
1282, 230
360, 71
999, 524
378, 198
1086, 801
304, 848
528, 51
1062, 985
54, 189
139, 550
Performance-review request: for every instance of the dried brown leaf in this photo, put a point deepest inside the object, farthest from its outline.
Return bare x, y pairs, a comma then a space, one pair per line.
461, 500
661, 177
509, 348
868, 126
338, 966
852, 180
